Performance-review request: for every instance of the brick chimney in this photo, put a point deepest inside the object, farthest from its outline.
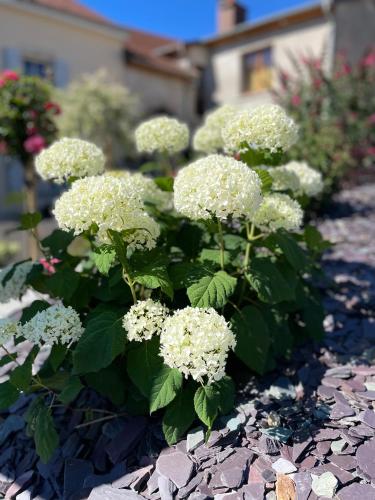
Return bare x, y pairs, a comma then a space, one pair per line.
229, 14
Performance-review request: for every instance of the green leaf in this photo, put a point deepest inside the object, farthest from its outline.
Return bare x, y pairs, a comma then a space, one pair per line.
71, 390
29, 312
185, 274
143, 364
253, 339
58, 241
268, 282
104, 257
63, 283
292, 251
226, 390
212, 291
165, 386
150, 270
257, 157
109, 382
57, 381
30, 220
179, 415
102, 341
165, 183
120, 247
213, 255
45, 435
206, 404
57, 355
314, 240
189, 239
20, 377
266, 179
8, 395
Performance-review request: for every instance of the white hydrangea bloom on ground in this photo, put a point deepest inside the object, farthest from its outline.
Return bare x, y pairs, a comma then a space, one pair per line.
310, 180
266, 127
14, 287
163, 135
278, 211
8, 330
57, 324
196, 342
68, 158
146, 187
108, 203
208, 138
217, 186
284, 179
144, 320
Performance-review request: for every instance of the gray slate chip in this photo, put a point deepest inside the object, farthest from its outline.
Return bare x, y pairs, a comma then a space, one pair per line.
175, 466
357, 491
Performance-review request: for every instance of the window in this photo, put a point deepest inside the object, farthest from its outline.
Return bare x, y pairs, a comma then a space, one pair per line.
33, 67
257, 70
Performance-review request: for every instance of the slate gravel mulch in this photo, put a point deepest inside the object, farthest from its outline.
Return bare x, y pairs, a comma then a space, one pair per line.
304, 432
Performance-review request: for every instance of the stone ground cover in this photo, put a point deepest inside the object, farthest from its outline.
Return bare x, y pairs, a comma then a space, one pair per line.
306, 431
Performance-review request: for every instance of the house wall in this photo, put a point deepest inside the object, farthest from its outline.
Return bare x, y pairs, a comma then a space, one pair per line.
223, 78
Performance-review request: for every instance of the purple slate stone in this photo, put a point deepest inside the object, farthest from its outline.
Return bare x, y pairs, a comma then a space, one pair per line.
175, 466
127, 439
166, 488
233, 477
342, 475
299, 448
355, 490
368, 417
369, 395
326, 392
361, 430
327, 435
331, 382
75, 473
345, 462
106, 492
322, 449
253, 491
303, 485
191, 486
20, 483
340, 410
366, 458
364, 370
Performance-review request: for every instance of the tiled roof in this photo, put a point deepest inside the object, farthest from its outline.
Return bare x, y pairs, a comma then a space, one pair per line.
74, 8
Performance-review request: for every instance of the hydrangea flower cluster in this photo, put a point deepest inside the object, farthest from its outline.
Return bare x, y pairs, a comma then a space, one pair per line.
196, 342
68, 158
57, 324
8, 330
266, 127
278, 211
162, 135
284, 179
14, 287
106, 202
208, 138
144, 320
310, 180
217, 186
145, 187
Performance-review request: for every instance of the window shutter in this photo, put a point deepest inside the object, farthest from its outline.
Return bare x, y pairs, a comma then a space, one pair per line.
61, 73
12, 58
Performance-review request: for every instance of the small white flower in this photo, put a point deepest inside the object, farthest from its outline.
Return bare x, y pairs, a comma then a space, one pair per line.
163, 135
57, 324
12, 281
310, 180
284, 179
266, 127
8, 330
208, 138
68, 158
196, 342
108, 203
217, 186
278, 211
144, 320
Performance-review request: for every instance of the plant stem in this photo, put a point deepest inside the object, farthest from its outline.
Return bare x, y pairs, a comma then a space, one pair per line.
101, 419
221, 243
130, 282
31, 205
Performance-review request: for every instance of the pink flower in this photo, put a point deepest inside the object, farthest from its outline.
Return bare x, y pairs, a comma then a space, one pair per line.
371, 119
8, 74
3, 148
296, 100
52, 106
48, 265
371, 151
369, 60
34, 144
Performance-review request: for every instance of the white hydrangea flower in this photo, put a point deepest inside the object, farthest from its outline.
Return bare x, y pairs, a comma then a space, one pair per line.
57, 324
266, 127
68, 158
284, 179
108, 203
162, 134
208, 138
144, 319
8, 330
278, 211
145, 187
196, 342
217, 186
14, 287
310, 180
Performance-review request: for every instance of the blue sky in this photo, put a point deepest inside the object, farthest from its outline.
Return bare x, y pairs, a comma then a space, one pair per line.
184, 19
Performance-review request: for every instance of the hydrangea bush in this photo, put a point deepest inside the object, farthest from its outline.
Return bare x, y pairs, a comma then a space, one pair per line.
159, 293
